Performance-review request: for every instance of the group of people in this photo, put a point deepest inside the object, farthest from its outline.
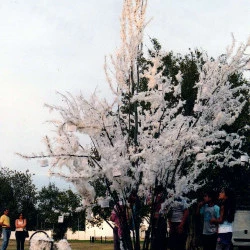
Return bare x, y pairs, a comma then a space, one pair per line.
176, 217
122, 217
217, 226
217, 222
20, 225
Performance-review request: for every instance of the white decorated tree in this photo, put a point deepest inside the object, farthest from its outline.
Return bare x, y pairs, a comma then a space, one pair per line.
141, 137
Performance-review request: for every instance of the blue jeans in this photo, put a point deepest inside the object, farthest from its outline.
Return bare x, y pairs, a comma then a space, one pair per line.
224, 241
6, 236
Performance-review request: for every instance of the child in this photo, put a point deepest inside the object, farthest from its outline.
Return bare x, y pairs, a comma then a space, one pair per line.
209, 210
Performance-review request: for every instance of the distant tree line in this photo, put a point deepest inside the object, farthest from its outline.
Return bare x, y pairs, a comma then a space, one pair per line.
41, 208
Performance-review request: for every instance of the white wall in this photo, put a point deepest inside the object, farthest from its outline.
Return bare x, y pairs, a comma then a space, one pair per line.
13, 237
104, 230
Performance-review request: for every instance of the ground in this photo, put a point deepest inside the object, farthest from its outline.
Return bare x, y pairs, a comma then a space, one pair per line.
75, 245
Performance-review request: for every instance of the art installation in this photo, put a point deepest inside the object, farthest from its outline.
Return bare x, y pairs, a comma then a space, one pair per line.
142, 139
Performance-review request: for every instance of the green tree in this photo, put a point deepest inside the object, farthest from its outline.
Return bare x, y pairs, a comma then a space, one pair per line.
48, 206
6, 195
153, 131
18, 193
53, 203
189, 65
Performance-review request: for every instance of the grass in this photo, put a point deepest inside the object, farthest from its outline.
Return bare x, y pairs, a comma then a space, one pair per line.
75, 245
86, 245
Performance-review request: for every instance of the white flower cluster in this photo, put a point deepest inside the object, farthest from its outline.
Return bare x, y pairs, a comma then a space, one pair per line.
42, 242
63, 245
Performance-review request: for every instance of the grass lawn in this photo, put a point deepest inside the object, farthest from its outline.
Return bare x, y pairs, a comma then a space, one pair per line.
86, 245
75, 245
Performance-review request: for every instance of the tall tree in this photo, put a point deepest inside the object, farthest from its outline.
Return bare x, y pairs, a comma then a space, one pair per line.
148, 134
19, 194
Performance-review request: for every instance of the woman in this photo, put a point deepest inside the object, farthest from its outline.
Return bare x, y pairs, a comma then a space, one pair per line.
227, 212
20, 224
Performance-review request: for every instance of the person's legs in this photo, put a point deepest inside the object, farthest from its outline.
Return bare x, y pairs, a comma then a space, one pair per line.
177, 240
213, 241
4, 239
6, 235
160, 231
205, 242
224, 241
116, 239
209, 242
22, 244
173, 237
181, 243
228, 247
17, 241
219, 246
22, 240
18, 244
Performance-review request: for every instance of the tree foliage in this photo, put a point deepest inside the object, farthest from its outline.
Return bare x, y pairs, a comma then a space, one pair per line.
18, 193
53, 203
171, 119
189, 65
41, 208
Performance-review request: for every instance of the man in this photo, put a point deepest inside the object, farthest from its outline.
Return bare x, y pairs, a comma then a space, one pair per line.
6, 231
178, 217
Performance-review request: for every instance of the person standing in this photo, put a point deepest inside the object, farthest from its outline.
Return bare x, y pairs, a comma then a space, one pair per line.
116, 231
159, 224
209, 211
227, 212
178, 225
6, 231
117, 216
20, 224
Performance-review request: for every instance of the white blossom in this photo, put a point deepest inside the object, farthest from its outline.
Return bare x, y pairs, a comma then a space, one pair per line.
165, 139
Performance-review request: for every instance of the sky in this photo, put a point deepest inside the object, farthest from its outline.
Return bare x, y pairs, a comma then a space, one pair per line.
50, 46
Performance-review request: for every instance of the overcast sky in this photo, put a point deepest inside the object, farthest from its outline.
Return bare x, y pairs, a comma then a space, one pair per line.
59, 45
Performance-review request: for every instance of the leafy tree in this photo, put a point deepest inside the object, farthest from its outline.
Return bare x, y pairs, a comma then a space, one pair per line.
48, 205
52, 203
189, 65
214, 178
156, 131
6, 196
18, 194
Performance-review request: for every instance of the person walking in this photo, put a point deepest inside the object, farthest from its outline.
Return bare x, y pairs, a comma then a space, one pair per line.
6, 231
227, 212
209, 211
20, 224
